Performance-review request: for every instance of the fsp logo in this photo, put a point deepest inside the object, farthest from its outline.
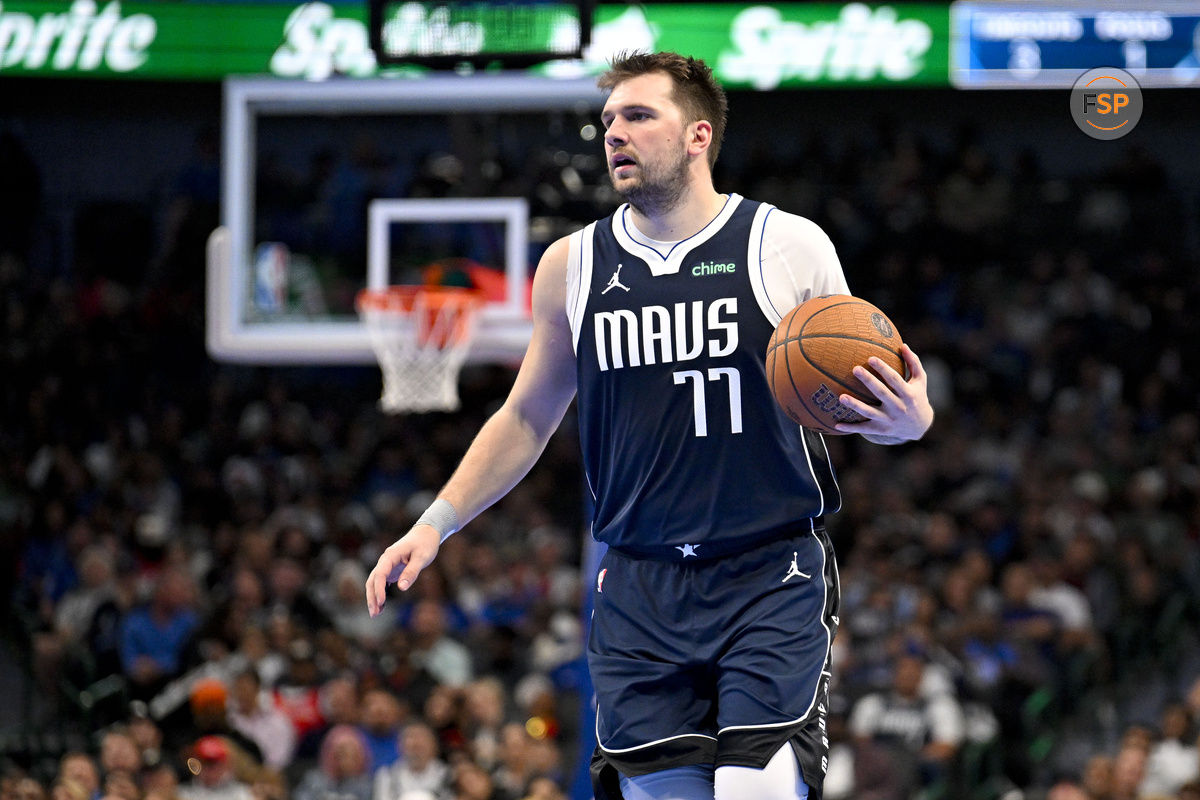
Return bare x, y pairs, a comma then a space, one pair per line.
1106, 103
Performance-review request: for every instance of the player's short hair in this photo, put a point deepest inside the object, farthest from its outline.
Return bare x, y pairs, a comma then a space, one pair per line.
696, 91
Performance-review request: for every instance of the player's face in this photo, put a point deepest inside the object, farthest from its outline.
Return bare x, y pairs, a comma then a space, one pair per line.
645, 142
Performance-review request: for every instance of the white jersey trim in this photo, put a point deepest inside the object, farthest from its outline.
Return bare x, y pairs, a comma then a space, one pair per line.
579, 279
812, 470
600, 744
833, 476
796, 261
647, 249
754, 266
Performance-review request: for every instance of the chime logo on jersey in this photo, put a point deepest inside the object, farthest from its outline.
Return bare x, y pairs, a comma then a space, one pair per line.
665, 334
712, 268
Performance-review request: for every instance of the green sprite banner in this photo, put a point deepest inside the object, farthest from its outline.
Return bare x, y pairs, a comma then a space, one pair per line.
791, 45
750, 46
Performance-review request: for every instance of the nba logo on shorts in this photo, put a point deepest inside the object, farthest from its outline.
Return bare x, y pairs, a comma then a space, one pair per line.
600, 580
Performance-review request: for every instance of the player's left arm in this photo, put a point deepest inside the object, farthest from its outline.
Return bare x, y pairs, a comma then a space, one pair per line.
903, 413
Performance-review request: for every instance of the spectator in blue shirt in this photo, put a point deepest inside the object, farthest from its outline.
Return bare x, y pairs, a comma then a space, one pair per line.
155, 636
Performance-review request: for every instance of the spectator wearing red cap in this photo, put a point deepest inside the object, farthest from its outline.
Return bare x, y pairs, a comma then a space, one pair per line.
213, 778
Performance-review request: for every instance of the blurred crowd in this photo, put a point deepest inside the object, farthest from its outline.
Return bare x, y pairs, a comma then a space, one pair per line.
186, 542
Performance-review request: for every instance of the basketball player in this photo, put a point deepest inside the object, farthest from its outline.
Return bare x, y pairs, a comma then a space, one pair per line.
717, 600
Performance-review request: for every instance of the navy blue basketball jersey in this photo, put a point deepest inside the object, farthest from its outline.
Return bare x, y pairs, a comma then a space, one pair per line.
685, 450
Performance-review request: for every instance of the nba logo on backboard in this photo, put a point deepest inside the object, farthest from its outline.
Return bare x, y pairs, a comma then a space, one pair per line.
270, 277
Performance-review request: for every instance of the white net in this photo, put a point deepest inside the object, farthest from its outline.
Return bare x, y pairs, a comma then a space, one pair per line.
421, 336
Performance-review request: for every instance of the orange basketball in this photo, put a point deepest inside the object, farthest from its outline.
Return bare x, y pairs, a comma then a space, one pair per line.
815, 347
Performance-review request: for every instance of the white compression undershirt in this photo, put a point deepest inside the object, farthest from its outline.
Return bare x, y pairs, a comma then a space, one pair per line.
798, 261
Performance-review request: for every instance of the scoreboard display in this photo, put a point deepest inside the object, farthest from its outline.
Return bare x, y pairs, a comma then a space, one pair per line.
449, 33
1013, 45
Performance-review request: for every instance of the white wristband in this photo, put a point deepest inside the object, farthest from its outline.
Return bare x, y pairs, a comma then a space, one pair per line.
442, 517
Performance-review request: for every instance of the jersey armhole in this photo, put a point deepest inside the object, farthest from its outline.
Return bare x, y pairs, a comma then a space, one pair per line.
754, 265
579, 279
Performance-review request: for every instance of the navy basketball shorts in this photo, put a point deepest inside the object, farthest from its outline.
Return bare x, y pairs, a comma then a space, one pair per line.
715, 661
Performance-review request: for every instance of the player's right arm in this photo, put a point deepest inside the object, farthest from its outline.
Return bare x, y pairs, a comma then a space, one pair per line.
510, 442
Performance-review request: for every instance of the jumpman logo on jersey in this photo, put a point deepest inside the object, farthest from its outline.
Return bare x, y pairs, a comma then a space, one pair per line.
687, 550
615, 281
794, 570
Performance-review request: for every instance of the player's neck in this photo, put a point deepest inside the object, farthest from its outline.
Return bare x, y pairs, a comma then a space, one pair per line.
696, 208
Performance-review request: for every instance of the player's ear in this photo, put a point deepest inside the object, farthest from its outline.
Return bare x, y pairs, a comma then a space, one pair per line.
699, 137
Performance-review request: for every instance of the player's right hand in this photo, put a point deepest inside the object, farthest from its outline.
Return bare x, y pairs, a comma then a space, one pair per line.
401, 563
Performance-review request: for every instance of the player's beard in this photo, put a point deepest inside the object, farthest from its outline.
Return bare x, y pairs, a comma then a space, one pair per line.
658, 187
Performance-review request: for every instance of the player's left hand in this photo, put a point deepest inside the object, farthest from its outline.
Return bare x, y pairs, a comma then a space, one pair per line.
903, 413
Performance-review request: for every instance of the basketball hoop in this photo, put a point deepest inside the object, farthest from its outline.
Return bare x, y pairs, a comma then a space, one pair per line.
421, 335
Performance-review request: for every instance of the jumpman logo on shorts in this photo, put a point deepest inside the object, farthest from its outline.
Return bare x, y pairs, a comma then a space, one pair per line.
615, 281
794, 570
688, 550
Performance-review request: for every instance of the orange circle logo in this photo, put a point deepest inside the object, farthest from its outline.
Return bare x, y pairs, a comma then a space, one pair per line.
1106, 103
